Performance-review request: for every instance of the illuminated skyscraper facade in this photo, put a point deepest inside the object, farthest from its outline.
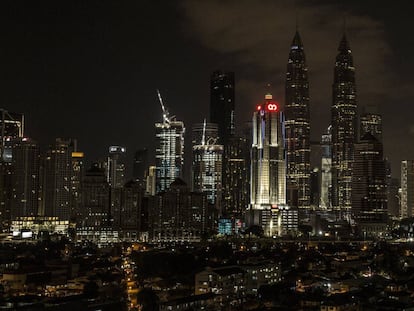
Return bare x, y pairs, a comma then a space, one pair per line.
297, 124
169, 153
268, 167
222, 104
326, 170
344, 127
207, 164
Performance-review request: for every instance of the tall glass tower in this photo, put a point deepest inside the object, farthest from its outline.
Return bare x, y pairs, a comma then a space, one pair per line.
169, 153
297, 124
344, 127
222, 104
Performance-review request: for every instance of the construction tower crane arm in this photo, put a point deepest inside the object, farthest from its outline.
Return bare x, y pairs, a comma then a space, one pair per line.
165, 114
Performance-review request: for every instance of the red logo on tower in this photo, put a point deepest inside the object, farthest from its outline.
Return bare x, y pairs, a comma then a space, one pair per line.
272, 106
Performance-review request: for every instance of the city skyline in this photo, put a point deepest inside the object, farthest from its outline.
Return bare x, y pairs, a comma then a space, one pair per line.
76, 71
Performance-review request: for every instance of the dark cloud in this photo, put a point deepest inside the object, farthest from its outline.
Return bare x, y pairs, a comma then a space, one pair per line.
258, 34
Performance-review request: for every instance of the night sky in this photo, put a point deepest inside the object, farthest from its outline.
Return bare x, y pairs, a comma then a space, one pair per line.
90, 69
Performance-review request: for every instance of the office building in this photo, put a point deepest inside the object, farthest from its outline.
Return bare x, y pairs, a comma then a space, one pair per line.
57, 179
96, 219
326, 170
297, 124
116, 166
222, 103
150, 181
371, 122
132, 212
25, 178
344, 128
140, 166
369, 185
179, 214
268, 168
236, 178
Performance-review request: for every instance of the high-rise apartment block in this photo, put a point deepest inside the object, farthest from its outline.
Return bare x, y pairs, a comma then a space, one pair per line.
407, 189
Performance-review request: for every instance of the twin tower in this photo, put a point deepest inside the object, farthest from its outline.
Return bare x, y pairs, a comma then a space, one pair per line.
280, 156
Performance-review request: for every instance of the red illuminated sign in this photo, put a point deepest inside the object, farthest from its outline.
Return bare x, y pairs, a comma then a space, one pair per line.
272, 106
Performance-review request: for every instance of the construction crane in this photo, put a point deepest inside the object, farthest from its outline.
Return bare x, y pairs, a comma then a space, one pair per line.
165, 114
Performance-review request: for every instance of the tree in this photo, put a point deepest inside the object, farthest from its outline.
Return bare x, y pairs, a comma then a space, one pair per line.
255, 230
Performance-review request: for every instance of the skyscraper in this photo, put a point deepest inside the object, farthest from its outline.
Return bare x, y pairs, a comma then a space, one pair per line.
25, 178
297, 124
236, 177
11, 127
116, 166
57, 179
371, 122
326, 170
407, 189
11, 130
268, 167
344, 127
96, 214
169, 153
222, 104
140, 165
369, 184
76, 183
207, 164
